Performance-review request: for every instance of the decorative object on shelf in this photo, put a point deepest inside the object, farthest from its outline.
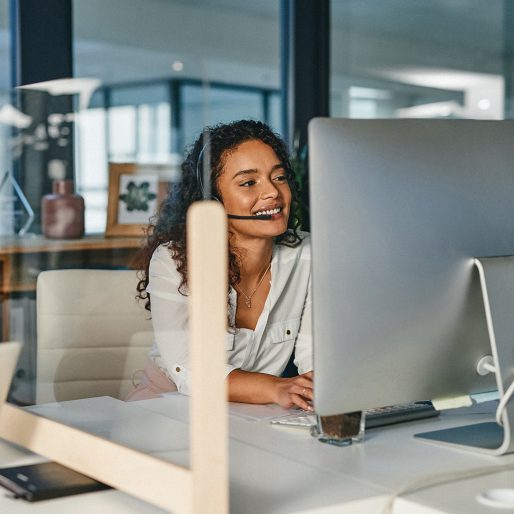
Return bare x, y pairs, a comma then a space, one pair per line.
10, 192
62, 212
134, 194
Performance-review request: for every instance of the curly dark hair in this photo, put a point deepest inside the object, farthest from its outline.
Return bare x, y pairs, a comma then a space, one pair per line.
169, 225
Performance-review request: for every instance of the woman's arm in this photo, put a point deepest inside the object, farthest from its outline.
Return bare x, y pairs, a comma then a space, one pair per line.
170, 315
251, 387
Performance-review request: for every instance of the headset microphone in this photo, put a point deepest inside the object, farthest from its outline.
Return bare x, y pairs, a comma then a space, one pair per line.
257, 217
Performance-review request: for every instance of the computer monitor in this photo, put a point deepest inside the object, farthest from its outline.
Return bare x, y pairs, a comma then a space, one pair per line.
399, 211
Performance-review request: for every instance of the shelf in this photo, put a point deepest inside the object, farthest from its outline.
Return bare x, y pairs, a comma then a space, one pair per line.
40, 244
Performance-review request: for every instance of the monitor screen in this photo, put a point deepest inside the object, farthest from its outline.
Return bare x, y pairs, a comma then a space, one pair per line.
399, 211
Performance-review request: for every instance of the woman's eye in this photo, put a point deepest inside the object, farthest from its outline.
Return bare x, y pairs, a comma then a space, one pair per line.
280, 178
248, 183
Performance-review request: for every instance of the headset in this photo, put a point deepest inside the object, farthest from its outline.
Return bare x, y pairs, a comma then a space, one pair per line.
206, 192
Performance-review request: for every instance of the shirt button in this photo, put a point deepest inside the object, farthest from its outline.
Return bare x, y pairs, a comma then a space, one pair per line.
288, 332
177, 369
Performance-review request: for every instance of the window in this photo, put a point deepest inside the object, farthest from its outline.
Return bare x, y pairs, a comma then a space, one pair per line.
421, 59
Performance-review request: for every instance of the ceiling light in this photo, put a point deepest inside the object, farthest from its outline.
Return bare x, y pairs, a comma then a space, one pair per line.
177, 65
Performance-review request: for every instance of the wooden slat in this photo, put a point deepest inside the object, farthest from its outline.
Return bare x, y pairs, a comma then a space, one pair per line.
207, 264
151, 479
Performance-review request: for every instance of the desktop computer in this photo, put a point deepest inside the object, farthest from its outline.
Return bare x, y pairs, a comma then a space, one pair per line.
402, 309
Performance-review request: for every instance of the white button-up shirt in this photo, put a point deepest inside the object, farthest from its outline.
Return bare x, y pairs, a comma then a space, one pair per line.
283, 326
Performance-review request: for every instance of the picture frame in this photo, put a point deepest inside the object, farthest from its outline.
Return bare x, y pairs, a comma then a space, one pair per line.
134, 193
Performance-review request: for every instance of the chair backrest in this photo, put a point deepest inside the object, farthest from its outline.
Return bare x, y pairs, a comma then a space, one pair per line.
92, 334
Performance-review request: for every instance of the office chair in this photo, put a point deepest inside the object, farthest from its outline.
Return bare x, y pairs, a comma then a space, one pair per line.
92, 334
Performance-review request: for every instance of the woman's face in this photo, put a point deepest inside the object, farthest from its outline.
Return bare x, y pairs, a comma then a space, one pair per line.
253, 181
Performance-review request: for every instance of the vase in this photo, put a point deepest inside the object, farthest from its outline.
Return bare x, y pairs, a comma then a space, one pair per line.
62, 212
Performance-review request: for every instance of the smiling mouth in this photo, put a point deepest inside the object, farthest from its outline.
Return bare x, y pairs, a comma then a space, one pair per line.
269, 212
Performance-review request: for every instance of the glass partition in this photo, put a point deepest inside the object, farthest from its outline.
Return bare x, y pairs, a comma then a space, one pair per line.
149, 89
90, 159
88, 342
70, 298
151, 105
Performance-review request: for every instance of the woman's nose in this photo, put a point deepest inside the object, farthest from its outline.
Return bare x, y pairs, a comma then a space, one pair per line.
269, 190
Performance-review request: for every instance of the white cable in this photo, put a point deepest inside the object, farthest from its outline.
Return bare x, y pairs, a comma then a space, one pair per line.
486, 365
441, 479
503, 403
453, 476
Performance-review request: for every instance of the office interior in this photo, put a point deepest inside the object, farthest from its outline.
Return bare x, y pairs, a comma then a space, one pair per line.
91, 92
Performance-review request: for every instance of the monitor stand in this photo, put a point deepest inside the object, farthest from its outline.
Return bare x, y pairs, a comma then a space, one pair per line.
497, 283
340, 429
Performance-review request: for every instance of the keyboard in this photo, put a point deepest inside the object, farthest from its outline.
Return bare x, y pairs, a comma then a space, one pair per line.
378, 417
401, 413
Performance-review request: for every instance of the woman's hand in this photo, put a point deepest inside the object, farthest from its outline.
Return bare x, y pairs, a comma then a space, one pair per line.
296, 391
252, 387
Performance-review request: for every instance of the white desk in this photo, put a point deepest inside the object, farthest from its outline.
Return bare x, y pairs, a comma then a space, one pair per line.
277, 469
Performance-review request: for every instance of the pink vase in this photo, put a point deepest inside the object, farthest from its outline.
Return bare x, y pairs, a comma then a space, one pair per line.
62, 212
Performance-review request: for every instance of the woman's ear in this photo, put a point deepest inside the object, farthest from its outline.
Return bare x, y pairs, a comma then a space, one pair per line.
215, 194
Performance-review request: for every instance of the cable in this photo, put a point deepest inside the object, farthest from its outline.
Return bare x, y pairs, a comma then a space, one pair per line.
503, 403
455, 476
486, 365
441, 478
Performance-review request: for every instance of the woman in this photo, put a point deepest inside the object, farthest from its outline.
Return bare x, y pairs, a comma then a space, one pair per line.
269, 299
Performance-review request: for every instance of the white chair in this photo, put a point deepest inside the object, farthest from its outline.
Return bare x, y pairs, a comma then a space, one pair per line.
92, 334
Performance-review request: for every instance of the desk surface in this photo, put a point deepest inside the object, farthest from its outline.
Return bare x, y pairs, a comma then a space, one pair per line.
277, 469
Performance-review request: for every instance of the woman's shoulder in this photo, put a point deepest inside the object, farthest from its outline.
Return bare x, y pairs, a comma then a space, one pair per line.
162, 251
161, 256
305, 244
163, 270
301, 249
305, 237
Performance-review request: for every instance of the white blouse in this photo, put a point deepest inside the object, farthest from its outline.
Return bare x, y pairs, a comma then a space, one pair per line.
283, 326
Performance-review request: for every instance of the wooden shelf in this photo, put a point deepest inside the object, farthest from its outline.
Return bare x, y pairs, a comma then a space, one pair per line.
40, 244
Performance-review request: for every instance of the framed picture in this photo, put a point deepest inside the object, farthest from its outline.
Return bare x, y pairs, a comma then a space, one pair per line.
134, 194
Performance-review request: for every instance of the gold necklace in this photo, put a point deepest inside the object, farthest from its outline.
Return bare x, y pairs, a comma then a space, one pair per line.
248, 298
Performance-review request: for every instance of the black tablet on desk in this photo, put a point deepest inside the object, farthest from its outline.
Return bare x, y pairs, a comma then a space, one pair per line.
46, 480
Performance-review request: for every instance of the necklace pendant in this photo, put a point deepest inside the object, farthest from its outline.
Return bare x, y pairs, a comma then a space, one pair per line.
248, 302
